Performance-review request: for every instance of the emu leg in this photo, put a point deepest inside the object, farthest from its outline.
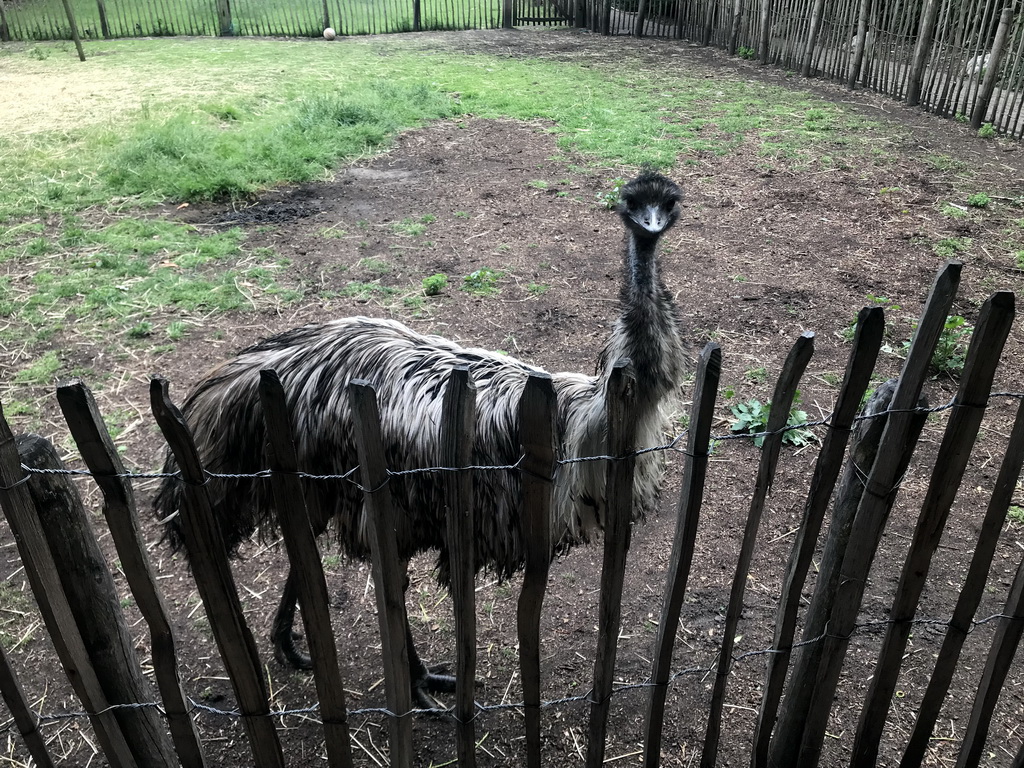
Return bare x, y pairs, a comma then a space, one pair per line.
283, 635
424, 682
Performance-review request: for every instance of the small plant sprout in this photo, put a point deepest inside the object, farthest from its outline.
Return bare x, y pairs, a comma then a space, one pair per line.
951, 350
987, 131
537, 288
435, 284
482, 282
751, 417
538, 184
979, 200
177, 330
610, 198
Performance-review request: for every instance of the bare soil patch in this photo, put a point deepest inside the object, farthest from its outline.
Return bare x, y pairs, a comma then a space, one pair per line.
761, 254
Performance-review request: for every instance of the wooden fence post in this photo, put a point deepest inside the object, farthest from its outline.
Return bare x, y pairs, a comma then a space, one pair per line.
880, 492
57, 614
986, 347
734, 26
388, 571
22, 714
94, 602
537, 409
305, 565
691, 495
864, 444
101, 6
995, 61
970, 596
764, 31
857, 55
458, 437
507, 14
867, 342
5, 30
225, 25
619, 401
813, 28
641, 19
119, 508
74, 29
782, 402
922, 47
216, 584
997, 666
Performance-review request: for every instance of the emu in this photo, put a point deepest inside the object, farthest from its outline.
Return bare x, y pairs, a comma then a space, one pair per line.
409, 371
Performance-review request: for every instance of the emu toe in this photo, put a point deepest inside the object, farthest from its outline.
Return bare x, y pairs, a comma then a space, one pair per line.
287, 652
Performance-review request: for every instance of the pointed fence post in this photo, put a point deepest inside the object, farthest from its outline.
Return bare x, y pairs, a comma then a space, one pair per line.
922, 48
970, 596
458, 435
216, 584
94, 602
22, 714
867, 342
121, 512
41, 571
995, 61
388, 570
304, 560
881, 488
691, 496
537, 408
994, 323
620, 400
782, 402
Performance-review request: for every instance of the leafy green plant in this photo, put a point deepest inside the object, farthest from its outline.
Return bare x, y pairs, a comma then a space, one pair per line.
751, 417
538, 184
1018, 258
950, 247
538, 288
41, 371
177, 330
987, 131
978, 200
610, 198
483, 281
435, 284
1016, 513
951, 348
746, 53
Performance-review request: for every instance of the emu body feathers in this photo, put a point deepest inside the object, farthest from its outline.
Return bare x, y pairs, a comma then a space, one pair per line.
409, 372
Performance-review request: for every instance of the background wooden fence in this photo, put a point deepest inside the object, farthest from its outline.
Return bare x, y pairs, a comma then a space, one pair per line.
83, 616
957, 58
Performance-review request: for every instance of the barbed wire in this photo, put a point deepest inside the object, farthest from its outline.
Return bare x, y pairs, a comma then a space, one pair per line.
198, 707
348, 476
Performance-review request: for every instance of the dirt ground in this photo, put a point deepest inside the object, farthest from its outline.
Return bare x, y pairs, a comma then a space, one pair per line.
761, 253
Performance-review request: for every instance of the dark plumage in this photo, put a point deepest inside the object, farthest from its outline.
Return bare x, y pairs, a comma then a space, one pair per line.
409, 371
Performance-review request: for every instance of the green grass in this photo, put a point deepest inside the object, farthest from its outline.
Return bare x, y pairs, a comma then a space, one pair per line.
112, 280
162, 137
181, 121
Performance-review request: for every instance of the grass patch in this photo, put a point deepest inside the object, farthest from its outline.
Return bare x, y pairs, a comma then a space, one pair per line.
141, 134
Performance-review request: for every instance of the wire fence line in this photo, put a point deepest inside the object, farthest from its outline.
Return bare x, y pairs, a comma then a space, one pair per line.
348, 476
311, 712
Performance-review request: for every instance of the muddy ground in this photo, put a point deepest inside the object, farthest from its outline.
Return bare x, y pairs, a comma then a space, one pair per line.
762, 253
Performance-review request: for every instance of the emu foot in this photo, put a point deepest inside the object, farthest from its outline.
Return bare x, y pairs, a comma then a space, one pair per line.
427, 683
287, 652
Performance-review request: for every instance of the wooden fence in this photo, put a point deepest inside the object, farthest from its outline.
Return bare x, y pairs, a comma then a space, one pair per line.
82, 614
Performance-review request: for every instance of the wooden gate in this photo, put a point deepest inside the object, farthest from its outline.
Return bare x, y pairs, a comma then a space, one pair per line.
548, 13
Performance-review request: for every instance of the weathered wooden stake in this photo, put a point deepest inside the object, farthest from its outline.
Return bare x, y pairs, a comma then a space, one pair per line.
691, 496
537, 408
620, 399
458, 437
119, 508
782, 402
305, 566
389, 571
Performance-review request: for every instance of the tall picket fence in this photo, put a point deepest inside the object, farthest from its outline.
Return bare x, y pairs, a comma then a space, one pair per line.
857, 475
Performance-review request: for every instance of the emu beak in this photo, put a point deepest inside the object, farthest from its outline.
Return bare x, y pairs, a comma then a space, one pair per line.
654, 219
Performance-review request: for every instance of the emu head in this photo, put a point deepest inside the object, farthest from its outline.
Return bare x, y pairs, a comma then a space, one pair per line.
649, 205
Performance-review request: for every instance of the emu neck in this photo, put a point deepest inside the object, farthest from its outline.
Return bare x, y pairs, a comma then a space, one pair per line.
647, 332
